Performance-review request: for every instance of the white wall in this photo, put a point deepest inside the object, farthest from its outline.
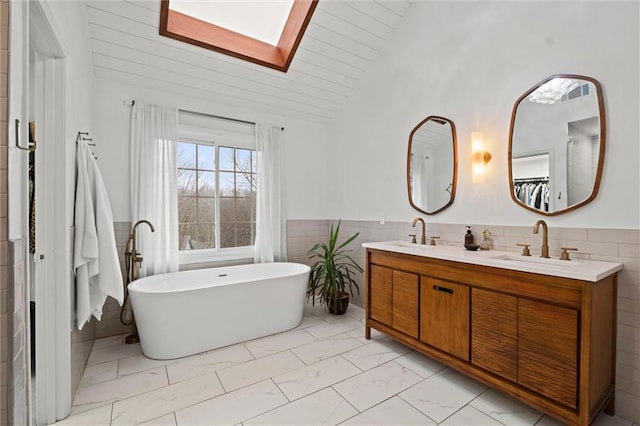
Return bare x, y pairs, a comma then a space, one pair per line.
305, 147
470, 61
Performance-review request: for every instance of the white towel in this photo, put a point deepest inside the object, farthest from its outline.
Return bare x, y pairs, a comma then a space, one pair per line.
95, 256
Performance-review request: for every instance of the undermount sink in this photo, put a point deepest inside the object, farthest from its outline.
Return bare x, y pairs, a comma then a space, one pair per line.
412, 245
538, 261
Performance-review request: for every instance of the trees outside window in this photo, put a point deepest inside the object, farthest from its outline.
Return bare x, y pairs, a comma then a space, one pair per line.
216, 196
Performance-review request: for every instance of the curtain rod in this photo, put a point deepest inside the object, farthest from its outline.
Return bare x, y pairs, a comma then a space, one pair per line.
216, 116
133, 102
220, 117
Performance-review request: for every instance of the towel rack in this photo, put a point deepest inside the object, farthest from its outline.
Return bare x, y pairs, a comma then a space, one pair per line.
84, 136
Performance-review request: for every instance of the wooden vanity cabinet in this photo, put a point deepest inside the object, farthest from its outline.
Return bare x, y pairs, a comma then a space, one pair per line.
545, 340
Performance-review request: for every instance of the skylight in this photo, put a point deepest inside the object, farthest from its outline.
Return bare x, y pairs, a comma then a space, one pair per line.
266, 32
263, 20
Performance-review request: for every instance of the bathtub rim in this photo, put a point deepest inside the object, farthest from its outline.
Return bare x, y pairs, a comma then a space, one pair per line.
134, 286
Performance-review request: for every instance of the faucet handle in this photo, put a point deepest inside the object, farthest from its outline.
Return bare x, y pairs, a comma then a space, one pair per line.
565, 254
525, 249
432, 241
413, 238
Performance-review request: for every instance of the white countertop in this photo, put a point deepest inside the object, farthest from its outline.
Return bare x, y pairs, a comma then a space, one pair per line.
578, 269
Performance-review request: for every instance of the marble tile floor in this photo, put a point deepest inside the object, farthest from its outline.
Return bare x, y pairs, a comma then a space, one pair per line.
322, 372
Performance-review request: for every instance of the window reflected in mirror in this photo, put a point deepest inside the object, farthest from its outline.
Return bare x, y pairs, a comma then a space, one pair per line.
556, 144
432, 165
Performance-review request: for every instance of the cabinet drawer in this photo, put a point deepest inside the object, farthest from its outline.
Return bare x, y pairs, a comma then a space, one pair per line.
494, 332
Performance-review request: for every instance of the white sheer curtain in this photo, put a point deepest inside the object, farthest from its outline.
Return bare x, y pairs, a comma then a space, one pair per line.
271, 242
154, 194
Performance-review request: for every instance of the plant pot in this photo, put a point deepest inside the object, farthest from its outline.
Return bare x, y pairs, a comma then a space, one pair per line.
339, 305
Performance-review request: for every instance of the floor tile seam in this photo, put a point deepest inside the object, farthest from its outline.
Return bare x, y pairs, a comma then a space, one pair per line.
253, 358
181, 408
177, 382
265, 378
228, 393
284, 349
398, 355
118, 358
95, 407
474, 408
418, 409
416, 372
489, 389
344, 358
93, 384
304, 364
270, 409
335, 354
120, 338
318, 390
118, 399
82, 385
338, 333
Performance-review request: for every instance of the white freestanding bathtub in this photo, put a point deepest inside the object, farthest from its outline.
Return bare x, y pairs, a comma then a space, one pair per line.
185, 313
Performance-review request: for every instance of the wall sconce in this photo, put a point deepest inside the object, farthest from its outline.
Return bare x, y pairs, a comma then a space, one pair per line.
479, 157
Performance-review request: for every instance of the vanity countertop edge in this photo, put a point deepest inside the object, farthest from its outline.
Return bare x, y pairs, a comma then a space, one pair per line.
578, 269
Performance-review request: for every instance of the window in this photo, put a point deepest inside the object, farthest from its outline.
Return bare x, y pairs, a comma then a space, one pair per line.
217, 181
216, 196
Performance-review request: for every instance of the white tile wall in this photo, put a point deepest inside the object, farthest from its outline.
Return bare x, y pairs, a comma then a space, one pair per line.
4, 279
17, 390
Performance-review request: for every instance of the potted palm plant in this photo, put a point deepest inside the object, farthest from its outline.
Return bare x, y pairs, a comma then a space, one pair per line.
332, 275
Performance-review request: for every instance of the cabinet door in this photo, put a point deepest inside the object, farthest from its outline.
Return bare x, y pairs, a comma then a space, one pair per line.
394, 299
380, 294
444, 316
494, 332
405, 302
548, 350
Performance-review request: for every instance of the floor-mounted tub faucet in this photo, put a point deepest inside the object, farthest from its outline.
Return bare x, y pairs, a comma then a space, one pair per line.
135, 256
132, 260
545, 237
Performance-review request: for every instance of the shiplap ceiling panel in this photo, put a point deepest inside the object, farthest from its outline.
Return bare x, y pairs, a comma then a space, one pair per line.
186, 72
220, 64
341, 40
116, 48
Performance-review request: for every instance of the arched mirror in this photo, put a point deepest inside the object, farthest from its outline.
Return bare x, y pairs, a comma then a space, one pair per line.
432, 164
556, 144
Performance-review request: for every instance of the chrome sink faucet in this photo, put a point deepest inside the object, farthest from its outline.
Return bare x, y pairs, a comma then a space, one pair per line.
544, 250
423, 238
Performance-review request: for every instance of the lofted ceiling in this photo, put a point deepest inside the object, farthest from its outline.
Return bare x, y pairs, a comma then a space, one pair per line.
342, 39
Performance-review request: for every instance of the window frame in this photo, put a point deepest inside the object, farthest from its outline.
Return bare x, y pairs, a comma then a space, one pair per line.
208, 136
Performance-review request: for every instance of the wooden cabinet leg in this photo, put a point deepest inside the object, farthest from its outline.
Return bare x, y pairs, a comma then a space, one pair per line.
367, 332
610, 408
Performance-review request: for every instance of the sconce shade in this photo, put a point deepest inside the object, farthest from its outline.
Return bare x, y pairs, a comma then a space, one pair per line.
479, 157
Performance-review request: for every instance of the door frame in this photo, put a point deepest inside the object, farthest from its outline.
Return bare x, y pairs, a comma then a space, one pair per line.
53, 292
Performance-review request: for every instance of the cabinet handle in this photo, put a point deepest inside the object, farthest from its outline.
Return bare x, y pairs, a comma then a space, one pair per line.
443, 289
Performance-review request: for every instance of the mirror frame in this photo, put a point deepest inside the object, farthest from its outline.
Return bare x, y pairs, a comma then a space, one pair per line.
455, 163
603, 138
